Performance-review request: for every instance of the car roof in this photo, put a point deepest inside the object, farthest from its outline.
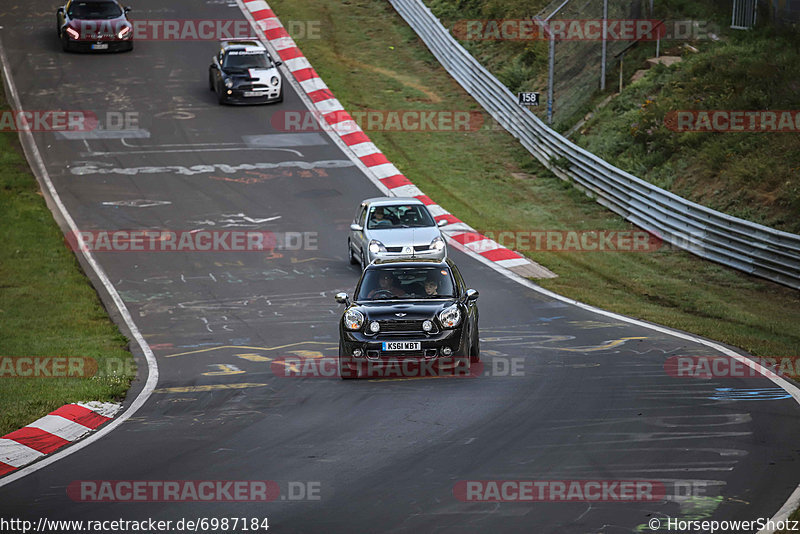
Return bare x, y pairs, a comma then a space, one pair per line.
249, 45
390, 201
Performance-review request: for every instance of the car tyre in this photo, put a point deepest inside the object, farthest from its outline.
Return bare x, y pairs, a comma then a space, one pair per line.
222, 98
363, 261
210, 81
353, 260
475, 350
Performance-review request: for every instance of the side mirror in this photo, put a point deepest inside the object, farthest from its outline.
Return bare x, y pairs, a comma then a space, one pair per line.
60, 11
443, 222
472, 295
127, 9
356, 227
213, 66
342, 298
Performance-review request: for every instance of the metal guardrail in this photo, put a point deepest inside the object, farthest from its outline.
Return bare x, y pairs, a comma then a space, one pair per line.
743, 245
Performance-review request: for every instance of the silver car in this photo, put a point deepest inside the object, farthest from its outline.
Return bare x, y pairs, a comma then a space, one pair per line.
394, 227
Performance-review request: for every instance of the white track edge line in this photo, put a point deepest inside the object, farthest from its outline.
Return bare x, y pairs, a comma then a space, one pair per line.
34, 158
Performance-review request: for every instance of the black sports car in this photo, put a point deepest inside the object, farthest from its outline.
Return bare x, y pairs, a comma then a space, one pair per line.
94, 25
243, 72
409, 317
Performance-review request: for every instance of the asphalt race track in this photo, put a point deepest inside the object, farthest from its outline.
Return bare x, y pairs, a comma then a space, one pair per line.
589, 398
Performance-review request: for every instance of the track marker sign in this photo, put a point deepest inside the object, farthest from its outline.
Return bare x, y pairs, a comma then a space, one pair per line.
528, 99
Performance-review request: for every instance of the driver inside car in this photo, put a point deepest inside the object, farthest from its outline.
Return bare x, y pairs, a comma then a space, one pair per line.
379, 218
387, 287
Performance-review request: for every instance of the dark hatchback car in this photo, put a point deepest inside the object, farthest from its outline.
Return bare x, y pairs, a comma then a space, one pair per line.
413, 316
94, 26
243, 72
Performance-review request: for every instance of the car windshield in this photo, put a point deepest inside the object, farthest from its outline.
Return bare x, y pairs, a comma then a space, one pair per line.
388, 283
94, 10
244, 59
399, 216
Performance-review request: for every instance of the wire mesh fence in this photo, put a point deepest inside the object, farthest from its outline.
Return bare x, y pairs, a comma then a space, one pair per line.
578, 62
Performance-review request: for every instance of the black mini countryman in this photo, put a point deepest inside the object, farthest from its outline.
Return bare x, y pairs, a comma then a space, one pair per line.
409, 317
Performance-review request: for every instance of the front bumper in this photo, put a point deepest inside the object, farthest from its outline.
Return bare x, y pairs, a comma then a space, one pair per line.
237, 96
100, 45
430, 360
422, 255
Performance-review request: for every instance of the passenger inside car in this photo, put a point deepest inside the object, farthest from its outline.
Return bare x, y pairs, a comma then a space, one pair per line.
387, 287
379, 218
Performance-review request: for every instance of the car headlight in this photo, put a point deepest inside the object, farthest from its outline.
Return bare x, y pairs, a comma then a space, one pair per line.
353, 319
123, 32
274, 81
376, 246
228, 82
437, 244
73, 33
450, 317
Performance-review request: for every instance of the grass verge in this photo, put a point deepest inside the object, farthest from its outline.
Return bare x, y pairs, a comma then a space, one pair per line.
48, 309
373, 61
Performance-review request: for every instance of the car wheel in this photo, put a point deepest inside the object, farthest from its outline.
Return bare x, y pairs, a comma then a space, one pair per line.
363, 261
344, 373
353, 260
475, 353
222, 98
210, 81
280, 96
64, 44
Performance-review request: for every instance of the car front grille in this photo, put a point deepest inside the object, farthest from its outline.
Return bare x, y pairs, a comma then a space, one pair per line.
417, 248
404, 327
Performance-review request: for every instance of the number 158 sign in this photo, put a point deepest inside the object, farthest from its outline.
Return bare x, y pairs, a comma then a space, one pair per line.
528, 99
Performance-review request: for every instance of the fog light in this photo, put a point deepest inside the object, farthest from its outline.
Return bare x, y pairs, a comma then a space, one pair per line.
427, 326
357, 353
374, 327
447, 351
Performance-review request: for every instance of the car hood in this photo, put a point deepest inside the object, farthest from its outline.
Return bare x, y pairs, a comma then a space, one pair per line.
397, 237
413, 309
255, 75
100, 25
